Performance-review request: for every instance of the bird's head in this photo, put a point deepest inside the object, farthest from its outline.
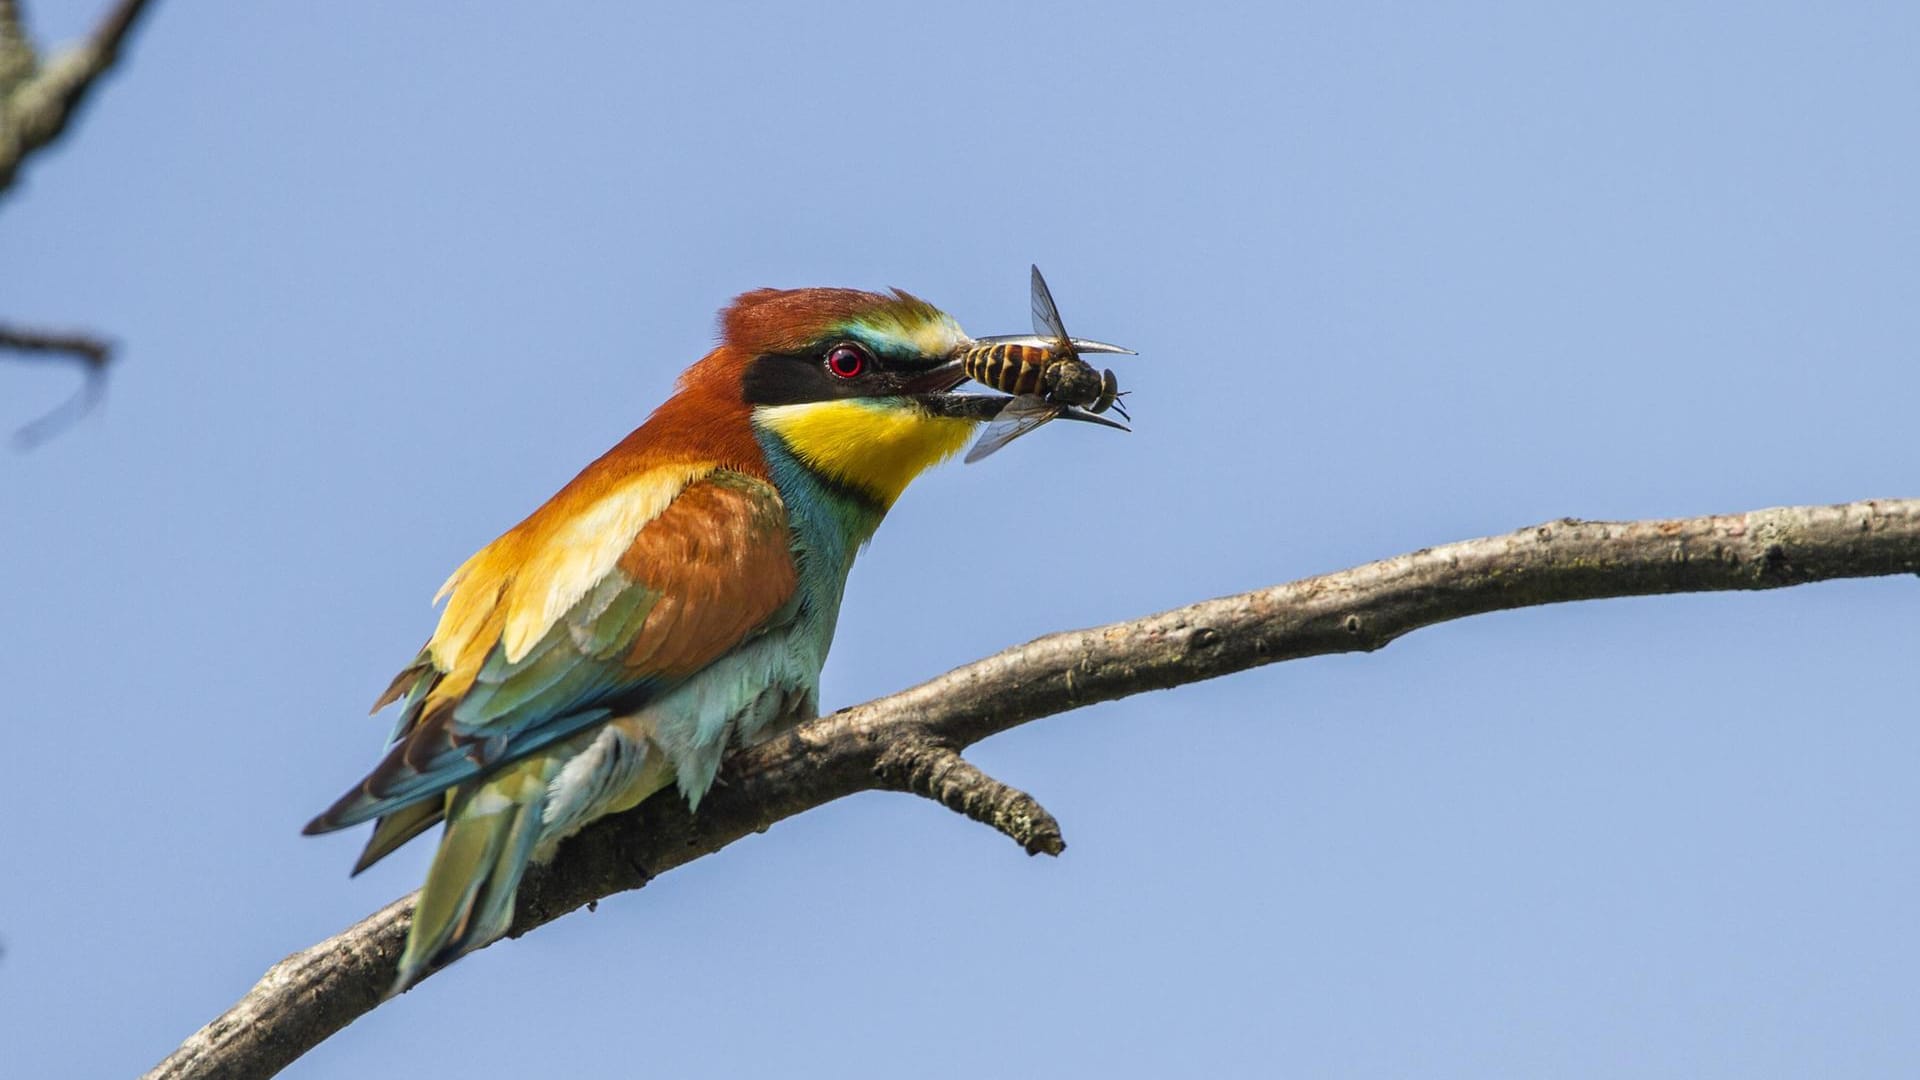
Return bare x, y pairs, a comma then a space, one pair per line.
854, 385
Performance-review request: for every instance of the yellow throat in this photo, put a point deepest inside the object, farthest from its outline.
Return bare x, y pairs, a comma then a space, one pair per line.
875, 447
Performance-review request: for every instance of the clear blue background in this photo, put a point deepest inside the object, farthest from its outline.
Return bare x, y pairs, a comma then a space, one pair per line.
387, 275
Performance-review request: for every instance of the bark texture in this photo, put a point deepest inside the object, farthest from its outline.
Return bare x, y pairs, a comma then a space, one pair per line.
911, 741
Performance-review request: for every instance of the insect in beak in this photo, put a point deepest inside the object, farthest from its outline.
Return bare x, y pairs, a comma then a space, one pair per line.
1044, 374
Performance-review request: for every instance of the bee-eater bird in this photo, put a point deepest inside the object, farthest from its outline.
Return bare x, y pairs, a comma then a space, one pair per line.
675, 598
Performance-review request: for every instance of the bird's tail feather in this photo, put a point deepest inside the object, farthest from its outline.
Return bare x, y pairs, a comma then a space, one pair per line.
467, 901
399, 827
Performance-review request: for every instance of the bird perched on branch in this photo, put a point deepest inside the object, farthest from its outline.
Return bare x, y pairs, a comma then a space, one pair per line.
676, 598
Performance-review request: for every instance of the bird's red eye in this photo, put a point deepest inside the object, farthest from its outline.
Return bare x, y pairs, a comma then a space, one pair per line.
847, 361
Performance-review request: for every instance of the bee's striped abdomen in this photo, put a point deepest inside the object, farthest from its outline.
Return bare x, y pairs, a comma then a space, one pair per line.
1008, 367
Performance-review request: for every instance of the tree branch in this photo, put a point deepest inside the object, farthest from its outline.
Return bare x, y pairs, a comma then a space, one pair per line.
92, 351
911, 740
924, 767
37, 100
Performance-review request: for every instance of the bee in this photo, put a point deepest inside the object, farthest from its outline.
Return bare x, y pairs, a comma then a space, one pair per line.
1044, 374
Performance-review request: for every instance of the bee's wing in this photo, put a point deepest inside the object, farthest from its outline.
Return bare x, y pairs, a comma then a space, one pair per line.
1020, 416
1046, 317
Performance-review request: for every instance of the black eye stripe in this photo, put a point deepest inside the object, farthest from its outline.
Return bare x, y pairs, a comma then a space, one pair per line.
792, 380
796, 378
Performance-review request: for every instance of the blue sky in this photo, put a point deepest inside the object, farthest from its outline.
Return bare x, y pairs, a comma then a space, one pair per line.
1398, 274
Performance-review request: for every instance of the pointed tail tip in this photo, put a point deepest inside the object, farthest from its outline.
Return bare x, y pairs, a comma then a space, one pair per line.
356, 806
341, 815
407, 978
414, 969
409, 967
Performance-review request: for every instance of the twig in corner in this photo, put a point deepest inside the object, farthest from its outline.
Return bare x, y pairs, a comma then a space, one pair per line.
94, 354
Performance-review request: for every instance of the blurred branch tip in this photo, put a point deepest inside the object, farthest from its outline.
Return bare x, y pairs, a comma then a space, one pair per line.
93, 353
912, 741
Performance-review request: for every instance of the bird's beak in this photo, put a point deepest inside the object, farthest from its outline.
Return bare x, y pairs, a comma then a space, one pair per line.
932, 391
935, 380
